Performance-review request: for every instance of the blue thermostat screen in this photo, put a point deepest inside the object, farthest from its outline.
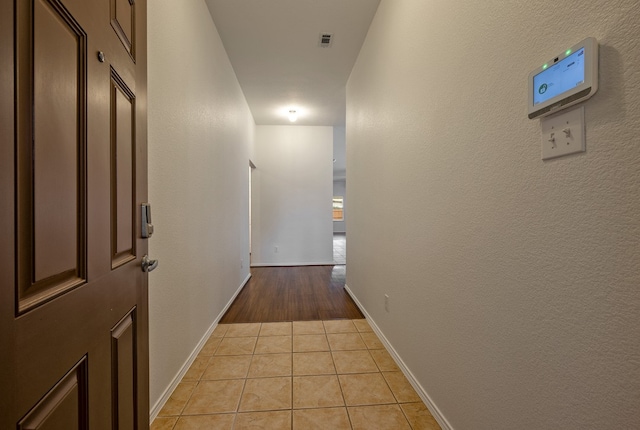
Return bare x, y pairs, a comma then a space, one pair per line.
558, 78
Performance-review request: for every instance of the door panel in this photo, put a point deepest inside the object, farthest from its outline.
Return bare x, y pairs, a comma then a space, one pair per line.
123, 359
64, 406
123, 172
58, 63
51, 65
72, 177
123, 23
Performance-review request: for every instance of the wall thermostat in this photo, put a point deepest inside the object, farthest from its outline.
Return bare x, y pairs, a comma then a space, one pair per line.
568, 78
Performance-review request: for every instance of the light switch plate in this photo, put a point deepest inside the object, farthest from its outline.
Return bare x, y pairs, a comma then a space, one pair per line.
563, 133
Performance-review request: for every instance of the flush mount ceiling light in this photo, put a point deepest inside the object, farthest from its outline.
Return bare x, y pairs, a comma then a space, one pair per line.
293, 115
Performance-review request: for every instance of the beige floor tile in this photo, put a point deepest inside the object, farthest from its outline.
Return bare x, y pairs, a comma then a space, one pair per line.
273, 344
200, 422
212, 397
220, 330
345, 341
178, 399
268, 365
362, 325
354, 362
310, 342
384, 360
401, 388
164, 423
365, 389
339, 326
242, 330
419, 416
321, 419
210, 347
371, 340
308, 327
313, 363
316, 392
236, 346
266, 394
382, 417
276, 329
333, 363
227, 367
276, 420
197, 368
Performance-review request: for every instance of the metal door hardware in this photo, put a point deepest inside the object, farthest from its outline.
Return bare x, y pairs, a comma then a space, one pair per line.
147, 227
148, 264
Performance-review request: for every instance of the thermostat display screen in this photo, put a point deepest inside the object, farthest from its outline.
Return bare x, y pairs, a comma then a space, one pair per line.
559, 78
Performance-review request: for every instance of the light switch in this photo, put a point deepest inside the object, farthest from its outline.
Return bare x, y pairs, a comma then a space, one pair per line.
563, 133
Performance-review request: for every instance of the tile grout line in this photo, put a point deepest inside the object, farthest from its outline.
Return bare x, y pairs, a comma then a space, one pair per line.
244, 384
292, 408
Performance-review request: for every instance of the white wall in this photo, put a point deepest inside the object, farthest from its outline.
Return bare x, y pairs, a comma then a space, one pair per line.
291, 196
513, 282
200, 129
340, 189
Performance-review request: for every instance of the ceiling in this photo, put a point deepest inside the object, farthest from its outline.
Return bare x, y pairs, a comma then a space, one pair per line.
274, 48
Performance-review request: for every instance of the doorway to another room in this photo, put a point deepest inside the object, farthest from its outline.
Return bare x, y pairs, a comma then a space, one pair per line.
340, 248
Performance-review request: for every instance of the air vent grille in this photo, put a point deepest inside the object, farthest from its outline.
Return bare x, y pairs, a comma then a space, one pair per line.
325, 40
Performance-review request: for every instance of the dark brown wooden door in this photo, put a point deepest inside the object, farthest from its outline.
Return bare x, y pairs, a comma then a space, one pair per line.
73, 166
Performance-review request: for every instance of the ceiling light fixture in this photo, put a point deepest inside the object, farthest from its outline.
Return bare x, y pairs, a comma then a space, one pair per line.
293, 115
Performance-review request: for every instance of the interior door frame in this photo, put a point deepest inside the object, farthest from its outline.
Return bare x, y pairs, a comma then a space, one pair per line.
7, 216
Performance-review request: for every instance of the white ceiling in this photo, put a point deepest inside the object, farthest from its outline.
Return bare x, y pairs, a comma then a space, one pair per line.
273, 47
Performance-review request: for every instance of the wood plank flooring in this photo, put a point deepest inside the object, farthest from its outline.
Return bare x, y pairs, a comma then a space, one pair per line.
300, 293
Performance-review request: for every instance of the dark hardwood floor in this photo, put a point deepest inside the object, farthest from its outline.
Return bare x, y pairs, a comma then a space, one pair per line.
299, 293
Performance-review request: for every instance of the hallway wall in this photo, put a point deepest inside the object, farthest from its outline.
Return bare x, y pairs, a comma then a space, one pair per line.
519, 276
291, 196
200, 129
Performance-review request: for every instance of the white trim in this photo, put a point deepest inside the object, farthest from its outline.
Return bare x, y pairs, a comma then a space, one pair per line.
403, 367
155, 410
321, 263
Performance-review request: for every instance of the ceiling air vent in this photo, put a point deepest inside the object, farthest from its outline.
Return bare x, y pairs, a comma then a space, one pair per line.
325, 40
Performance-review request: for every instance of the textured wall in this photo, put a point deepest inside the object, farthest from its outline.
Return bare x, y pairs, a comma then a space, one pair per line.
200, 129
514, 283
291, 195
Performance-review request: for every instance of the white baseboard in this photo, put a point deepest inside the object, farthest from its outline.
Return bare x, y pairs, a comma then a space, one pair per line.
403, 367
155, 410
321, 263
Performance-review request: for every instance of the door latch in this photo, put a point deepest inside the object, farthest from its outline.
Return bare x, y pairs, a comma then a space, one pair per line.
147, 227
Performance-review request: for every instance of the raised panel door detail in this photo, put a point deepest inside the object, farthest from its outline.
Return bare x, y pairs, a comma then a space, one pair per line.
51, 150
60, 298
123, 372
123, 23
122, 172
64, 406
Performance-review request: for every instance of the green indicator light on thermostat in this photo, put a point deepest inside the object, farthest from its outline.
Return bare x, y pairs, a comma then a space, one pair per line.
545, 66
567, 52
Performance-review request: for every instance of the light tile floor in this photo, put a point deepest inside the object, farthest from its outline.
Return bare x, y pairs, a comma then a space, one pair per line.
339, 248
302, 375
